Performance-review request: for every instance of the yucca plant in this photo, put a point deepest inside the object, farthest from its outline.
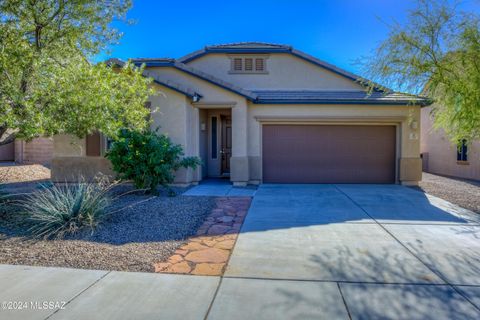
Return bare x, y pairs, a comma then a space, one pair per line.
65, 209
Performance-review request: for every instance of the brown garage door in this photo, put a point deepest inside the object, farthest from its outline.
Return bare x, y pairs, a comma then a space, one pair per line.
328, 154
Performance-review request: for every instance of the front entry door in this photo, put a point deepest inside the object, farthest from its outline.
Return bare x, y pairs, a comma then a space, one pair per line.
226, 146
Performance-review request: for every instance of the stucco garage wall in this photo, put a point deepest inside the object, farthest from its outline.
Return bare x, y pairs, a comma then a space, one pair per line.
408, 146
285, 71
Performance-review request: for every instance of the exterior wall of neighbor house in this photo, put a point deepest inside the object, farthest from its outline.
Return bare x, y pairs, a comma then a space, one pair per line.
440, 155
70, 162
39, 151
284, 72
406, 118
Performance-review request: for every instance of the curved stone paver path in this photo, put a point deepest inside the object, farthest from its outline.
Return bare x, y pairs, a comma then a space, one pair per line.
208, 252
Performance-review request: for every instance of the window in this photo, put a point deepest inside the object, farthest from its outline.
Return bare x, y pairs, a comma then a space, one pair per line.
462, 151
248, 65
214, 138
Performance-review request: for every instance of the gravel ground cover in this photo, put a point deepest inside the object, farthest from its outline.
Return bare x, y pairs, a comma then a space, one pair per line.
22, 178
462, 192
21, 173
147, 230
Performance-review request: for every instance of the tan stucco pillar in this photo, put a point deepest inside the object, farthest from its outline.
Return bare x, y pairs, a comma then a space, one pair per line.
239, 168
195, 144
410, 171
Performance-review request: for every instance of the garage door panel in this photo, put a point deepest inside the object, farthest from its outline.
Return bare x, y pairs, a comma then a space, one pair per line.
328, 154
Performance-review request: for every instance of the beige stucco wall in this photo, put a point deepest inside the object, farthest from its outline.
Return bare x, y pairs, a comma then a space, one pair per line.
285, 72
214, 97
408, 143
440, 155
177, 117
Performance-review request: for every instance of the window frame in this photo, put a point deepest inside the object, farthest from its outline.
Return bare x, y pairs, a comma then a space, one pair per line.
243, 58
214, 138
462, 151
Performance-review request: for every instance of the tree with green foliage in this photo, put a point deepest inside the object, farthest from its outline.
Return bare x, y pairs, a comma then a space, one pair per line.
436, 52
48, 84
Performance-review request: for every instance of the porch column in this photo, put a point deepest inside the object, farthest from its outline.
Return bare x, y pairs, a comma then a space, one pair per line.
239, 170
197, 173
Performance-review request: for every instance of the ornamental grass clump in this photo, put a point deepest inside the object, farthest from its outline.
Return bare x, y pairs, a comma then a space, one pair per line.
61, 210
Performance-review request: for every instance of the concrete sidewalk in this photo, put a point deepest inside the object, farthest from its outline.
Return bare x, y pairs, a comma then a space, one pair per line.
86, 294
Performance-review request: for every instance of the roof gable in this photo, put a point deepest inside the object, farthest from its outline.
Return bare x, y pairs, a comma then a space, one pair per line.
166, 62
168, 84
262, 47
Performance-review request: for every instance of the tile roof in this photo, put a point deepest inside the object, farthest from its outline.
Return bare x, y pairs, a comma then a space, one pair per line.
336, 97
236, 45
169, 84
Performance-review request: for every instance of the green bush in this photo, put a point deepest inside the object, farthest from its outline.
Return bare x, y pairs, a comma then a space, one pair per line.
59, 210
148, 159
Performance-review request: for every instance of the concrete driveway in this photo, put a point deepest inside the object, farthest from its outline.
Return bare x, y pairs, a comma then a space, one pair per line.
304, 252
376, 251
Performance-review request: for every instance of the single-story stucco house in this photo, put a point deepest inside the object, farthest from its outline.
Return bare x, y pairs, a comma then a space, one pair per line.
441, 156
268, 113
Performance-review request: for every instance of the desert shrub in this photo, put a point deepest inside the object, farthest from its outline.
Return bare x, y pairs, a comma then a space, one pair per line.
148, 159
60, 210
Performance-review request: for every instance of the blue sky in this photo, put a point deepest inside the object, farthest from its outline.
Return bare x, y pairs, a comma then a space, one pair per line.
338, 31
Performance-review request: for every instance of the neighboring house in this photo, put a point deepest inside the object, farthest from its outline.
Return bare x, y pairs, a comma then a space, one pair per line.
39, 151
441, 156
259, 112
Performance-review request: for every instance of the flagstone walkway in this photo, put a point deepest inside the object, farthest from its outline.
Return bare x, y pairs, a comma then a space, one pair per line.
208, 252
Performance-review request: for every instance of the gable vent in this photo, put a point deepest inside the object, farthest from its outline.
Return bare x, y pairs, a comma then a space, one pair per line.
248, 64
237, 64
259, 64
